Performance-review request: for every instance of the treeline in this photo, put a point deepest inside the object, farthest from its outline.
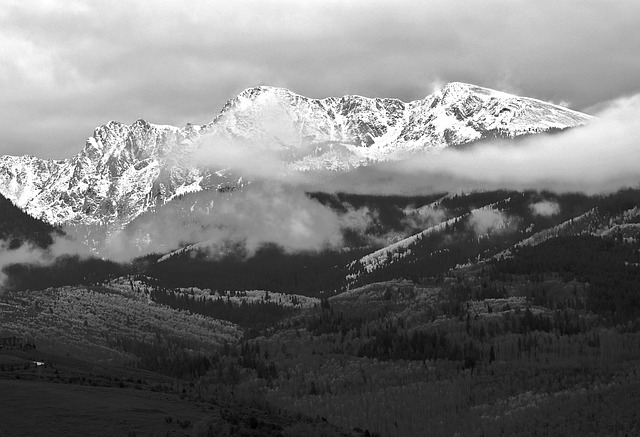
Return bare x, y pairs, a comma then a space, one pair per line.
469, 337
64, 270
18, 228
610, 266
271, 268
435, 254
163, 356
311, 273
253, 315
388, 210
392, 344
381, 335
459, 204
458, 243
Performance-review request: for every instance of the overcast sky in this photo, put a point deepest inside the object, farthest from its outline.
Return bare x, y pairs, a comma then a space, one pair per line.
68, 66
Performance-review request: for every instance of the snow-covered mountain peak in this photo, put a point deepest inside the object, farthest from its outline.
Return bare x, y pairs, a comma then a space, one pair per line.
123, 170
264, 90
456, 92
484, 112
468, 88
259, 97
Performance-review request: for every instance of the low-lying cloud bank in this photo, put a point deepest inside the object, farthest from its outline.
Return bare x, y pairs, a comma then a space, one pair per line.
260, 214
30, 254
601, 157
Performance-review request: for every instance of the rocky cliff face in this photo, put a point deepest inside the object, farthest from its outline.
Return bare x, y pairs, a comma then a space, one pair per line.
125, 170
121, 172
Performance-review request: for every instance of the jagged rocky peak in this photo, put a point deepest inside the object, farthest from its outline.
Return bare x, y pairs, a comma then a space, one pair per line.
255, 91
348, 105
124, 170
259, 96
456, 114
119, 145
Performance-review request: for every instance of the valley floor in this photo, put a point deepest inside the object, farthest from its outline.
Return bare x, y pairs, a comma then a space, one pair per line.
49, 409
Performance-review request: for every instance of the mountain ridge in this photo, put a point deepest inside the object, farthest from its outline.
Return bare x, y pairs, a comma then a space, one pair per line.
124, 170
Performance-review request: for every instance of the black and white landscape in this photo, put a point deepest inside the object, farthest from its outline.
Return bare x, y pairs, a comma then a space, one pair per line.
459, 257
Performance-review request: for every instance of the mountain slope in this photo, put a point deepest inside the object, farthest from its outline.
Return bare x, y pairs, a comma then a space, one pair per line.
497, 229
18, 228
121, 172
125, 170
354, 130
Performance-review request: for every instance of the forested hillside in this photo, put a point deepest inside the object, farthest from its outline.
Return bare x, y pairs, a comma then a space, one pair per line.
18, 228
518, 313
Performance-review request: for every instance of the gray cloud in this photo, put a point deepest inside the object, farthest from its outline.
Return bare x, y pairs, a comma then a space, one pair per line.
263, 213
483, 221
545, 208
66, 67
601, 157
29, 254
246, 158
423, 217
